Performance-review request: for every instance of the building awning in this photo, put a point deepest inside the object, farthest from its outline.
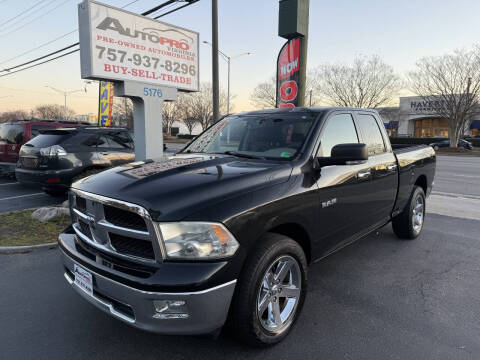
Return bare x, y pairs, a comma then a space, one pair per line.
475, 125
391, 125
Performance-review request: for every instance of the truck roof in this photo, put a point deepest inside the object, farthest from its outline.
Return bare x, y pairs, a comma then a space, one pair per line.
314, 109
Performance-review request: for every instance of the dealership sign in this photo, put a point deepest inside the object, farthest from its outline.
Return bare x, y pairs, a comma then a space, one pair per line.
122, 46
288, 73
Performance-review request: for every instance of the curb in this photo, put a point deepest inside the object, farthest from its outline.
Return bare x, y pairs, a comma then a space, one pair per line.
26, 249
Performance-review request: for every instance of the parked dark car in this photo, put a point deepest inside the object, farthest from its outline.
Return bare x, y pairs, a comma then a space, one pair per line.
446, 143
56, 157
227, 228
14, 134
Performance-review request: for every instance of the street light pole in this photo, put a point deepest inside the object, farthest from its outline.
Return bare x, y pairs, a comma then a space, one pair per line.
228, 59
65, 94
215, 82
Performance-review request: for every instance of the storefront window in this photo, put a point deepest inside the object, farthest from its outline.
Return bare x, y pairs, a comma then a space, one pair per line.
431, 128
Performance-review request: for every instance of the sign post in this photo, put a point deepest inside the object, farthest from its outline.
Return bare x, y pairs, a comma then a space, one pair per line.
292, 59
147, 60
147, 114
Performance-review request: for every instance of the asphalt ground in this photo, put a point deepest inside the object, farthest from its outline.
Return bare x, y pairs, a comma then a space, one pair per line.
380, 298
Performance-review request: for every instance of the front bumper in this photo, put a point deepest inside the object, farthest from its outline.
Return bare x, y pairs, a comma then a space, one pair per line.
40, 178
207, 308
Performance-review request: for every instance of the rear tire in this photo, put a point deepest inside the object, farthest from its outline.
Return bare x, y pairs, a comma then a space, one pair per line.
409, 223
271, 291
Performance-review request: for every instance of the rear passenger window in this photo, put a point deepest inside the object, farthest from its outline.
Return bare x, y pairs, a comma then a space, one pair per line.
340, 129
371, 134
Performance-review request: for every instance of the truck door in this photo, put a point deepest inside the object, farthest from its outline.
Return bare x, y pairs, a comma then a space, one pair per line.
342, 189
383, 183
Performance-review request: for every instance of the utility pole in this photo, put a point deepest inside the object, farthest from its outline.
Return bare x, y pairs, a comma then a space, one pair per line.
303, 56
215, 81
65, 94
293, 25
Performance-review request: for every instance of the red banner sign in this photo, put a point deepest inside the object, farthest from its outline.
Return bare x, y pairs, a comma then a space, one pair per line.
288, 73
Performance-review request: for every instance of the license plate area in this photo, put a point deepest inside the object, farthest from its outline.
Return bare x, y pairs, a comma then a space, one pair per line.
83, 279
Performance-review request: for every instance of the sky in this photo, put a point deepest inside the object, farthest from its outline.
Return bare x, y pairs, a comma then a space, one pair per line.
400, 32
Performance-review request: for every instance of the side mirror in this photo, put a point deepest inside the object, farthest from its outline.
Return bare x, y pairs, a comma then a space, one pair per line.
344, 154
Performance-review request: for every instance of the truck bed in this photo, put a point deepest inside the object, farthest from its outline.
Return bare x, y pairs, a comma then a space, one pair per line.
415, 163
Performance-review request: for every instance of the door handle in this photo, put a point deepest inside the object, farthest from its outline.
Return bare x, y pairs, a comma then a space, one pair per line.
363, 175
391, 167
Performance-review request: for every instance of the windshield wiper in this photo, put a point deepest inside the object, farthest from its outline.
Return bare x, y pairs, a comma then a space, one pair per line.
248, 156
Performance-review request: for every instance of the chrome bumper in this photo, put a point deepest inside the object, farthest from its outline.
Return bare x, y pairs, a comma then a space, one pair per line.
208, 309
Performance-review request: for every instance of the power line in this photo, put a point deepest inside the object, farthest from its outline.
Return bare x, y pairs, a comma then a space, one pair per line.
40, 58
38, 47
52, 41
35, 19
40, 63
178, 8
190, 2
26, 15
23, 12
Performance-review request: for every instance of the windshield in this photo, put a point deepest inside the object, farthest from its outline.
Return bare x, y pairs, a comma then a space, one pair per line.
272, 136
11, 134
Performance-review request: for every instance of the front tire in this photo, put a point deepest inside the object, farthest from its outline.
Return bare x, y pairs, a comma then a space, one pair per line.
409, 223
271, 291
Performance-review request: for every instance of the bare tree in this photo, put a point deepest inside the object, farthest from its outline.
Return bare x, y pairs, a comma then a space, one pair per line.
450, 86
169, 115
198, 105
53, 112
122, 112
190, 124
368, 82
264, 95
13, 115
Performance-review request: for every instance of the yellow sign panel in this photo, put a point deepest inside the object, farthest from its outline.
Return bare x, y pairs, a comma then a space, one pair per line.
105, 104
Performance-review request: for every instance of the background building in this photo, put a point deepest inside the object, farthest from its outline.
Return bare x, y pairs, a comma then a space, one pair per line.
416, 117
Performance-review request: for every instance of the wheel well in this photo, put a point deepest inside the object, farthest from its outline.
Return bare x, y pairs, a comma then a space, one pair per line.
422, 182
298, 233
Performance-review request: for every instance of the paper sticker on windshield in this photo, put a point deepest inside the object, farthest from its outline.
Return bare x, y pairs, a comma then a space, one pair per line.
286, 154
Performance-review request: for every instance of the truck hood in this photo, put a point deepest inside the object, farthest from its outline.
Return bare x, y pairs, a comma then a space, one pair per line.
174, 187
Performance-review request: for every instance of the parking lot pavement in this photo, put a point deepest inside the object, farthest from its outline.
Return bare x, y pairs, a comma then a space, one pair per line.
380, 298
457, 187
14, 196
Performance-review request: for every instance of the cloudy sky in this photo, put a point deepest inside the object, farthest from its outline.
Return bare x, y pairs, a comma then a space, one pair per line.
399, 31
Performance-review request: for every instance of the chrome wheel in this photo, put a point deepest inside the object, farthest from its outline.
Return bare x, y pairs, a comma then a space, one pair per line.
279, 294
418, 213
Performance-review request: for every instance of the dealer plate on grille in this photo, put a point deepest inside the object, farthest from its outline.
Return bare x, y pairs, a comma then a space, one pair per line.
83, 279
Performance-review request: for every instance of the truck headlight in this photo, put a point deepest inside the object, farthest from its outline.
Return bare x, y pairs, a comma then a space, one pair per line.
197, 240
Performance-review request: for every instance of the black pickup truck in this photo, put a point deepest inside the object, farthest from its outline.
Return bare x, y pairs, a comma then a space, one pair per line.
223, 232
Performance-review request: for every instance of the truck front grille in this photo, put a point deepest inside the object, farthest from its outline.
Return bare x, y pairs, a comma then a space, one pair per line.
115, 227
135, 247
124, 218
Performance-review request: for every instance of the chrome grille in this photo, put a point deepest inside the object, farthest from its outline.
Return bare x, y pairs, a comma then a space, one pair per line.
119, 228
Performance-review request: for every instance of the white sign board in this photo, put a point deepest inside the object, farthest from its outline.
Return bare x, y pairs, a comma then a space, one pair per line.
119, 45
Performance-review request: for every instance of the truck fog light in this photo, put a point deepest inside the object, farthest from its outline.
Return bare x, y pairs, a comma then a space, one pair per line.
170, 309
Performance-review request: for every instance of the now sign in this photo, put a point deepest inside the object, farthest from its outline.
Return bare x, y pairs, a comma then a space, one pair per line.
288, 73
